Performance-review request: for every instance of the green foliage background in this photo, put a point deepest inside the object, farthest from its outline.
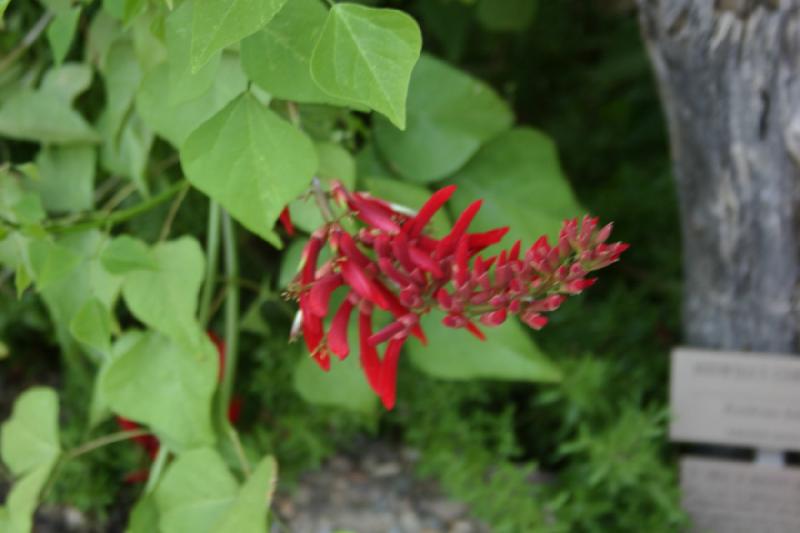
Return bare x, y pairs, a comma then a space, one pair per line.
112, 106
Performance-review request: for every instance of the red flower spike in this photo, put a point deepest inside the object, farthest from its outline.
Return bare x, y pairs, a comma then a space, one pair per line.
426, 212
388, 375
320, 293
409, 273
286, 221
337, 335
369, 354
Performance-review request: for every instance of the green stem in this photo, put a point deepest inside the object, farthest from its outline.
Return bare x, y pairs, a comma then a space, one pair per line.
231, 319
27, 41
104, 441
212, 261
122, 215
157, 469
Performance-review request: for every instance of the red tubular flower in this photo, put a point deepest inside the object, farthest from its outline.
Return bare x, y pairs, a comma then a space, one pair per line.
393, 265
286, 221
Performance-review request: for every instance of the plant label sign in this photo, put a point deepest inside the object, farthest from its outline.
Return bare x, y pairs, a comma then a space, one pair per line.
731, 497
735, 399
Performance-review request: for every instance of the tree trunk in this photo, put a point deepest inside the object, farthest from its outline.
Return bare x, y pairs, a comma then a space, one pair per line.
729, 76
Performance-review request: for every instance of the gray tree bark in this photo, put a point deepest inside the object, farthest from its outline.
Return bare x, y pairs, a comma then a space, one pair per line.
729, 76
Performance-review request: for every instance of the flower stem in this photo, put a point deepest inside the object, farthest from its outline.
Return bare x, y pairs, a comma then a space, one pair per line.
231, 318
212, 261
121, 215
157, 469
104, 441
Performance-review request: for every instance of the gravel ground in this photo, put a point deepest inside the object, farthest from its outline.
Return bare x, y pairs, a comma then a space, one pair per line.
375, 492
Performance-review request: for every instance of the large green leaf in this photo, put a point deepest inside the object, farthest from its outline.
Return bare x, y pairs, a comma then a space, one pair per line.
518, 176
278, 57
248, 514
122, 76
366, 55
506, 15
185, 82
166, 298
66, 177
508, 353
144, 516
165, 386
17, 515
43, 117
251, 161
126, 153
195, 493
29, 438
175, 122
450, 115
220, 23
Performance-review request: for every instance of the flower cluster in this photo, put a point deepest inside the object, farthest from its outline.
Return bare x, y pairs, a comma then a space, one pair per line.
392, 264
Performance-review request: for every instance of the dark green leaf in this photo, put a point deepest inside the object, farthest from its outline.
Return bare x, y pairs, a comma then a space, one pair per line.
518, 176
61, 32
67, 177
450, 115
508, 353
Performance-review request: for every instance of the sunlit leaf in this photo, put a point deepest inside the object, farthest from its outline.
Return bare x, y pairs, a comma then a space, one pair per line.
366, 55
251, 161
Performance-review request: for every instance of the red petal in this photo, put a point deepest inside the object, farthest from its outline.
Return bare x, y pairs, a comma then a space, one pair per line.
286, 220
388, 376
350, 249
426, 212
448, 244
424, 261
320, 293
337, 336
369, 355
387, 333
372, 213
472, 328
310, 257
479, 241
361, 283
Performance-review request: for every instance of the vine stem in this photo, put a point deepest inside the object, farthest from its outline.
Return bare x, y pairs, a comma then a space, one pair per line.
90, 447
231, 338
122, 215
212, 261
27, 41
157, 469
